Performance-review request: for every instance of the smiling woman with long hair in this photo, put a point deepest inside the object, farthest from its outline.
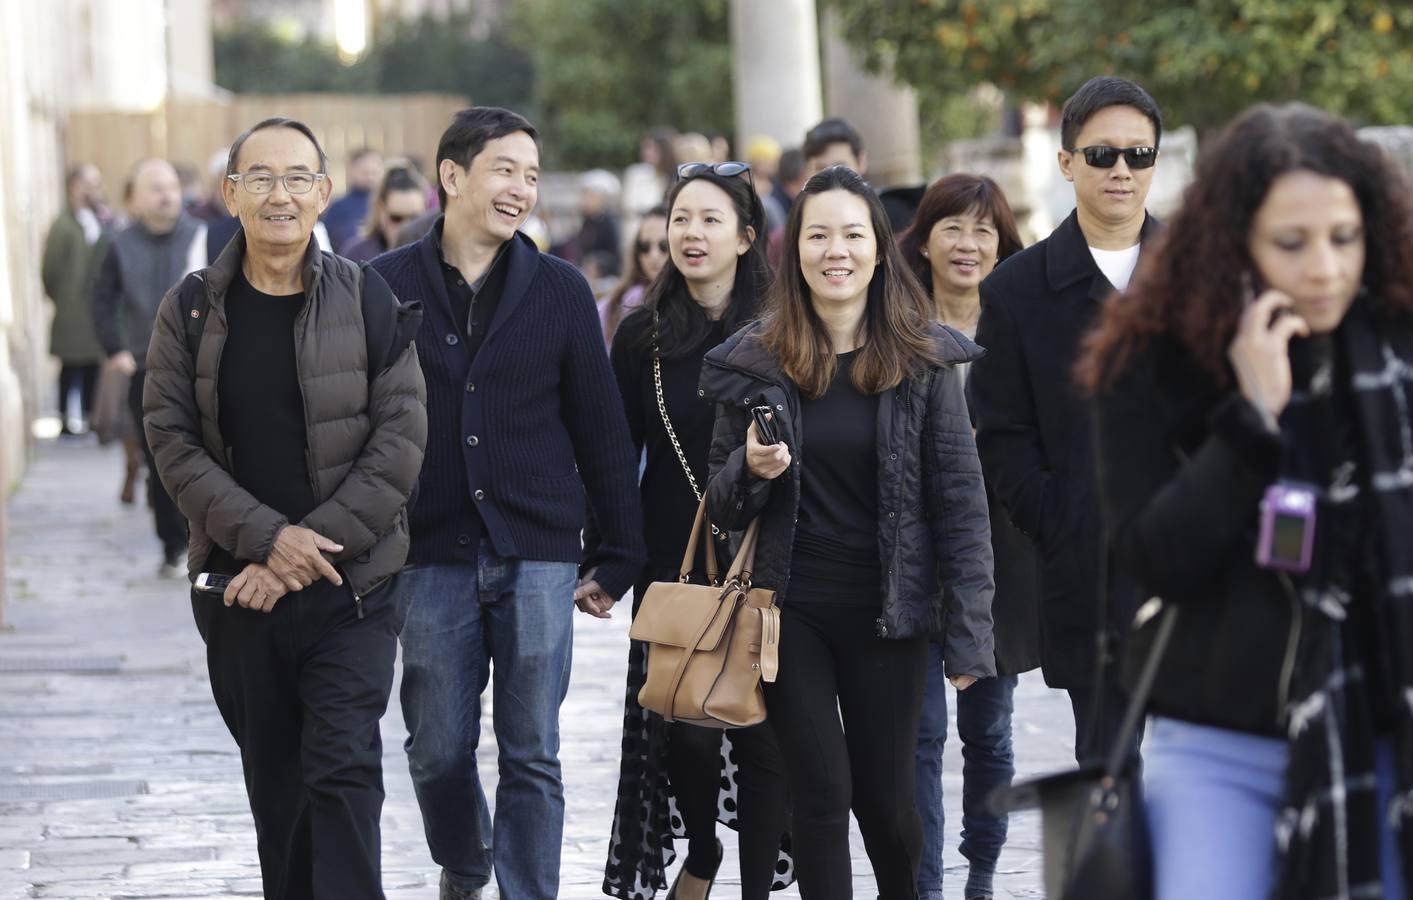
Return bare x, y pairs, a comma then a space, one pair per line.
1256, 466
872, 517
709, 286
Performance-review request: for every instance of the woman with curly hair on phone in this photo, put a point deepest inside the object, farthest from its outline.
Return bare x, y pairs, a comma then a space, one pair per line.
1255, 442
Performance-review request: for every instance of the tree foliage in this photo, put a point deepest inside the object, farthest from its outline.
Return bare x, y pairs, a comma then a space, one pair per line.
1203, 60
424, 54
608, 70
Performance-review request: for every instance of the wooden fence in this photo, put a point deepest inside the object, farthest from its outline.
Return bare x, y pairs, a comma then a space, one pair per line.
191, 131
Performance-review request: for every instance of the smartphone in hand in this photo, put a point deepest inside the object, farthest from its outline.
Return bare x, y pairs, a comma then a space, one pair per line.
765, 425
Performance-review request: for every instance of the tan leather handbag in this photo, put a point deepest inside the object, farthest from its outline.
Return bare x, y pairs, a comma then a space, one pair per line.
709, 646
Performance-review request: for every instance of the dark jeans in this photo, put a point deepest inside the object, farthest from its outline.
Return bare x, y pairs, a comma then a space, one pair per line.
84, 378
831, 664
984, 725
171, 524
302, 689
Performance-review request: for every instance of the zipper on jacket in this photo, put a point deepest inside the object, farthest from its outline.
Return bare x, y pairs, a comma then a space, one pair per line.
1292, 646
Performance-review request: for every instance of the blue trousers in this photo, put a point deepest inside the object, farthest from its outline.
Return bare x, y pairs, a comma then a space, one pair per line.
984, 725
1213, 796
459, 620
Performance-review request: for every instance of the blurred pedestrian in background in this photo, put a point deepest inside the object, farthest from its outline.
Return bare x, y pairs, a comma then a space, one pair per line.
597, 248
286, 410
710, 286
1032, 421
647, 256
401, 198
1256, 465
964, 228
872, 517
69, 267
763, 155
834, 142
346, 214
645, 182
144, 260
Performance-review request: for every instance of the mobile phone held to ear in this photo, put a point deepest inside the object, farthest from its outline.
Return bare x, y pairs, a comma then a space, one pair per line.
210, 583
765, 425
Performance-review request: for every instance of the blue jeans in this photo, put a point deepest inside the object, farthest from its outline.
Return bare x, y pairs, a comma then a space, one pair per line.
984, 725
1213, 797
459, 620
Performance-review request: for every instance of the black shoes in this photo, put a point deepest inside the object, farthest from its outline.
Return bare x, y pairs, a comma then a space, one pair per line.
720, 852
449, 891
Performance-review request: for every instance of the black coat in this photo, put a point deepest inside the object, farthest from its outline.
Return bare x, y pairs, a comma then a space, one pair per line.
1182, 467
1033, 432
934, 535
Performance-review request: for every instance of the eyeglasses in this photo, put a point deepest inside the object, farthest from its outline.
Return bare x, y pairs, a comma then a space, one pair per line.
264, 183
728, 169
645, 246
1107, 157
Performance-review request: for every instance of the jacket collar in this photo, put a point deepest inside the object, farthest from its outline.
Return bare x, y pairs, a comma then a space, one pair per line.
744, 352
221, 273
521, 255
1068, 261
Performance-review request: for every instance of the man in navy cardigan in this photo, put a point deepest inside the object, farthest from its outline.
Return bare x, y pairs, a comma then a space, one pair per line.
523, 419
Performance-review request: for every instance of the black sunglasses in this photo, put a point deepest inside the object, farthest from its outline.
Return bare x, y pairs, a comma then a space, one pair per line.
728, 169
645, 246
1107, 157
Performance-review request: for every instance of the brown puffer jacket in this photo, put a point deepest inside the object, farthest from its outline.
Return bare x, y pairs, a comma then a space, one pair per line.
365, 437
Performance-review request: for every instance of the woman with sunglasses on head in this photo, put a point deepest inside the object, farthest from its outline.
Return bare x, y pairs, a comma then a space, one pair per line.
708, 288
872, 518
401, 198
1255, 444
649, 253
964, 228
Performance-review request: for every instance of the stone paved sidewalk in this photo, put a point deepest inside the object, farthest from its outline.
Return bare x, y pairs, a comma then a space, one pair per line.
119, 780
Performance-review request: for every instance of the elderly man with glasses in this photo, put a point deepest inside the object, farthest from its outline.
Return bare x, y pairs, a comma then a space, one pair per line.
287, 413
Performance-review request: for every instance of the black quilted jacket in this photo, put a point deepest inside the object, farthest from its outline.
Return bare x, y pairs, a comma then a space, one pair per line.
934, 536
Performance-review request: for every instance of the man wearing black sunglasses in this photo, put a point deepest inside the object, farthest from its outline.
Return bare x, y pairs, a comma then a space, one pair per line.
1033, 425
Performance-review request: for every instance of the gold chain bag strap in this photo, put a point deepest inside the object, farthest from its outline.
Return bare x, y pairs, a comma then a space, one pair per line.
709, 646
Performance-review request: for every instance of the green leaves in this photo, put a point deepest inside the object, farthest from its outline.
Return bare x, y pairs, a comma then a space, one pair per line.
608, 70
1203, 60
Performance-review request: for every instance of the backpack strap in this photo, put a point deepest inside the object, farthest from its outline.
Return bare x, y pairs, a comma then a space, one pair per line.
195, 304
388, 325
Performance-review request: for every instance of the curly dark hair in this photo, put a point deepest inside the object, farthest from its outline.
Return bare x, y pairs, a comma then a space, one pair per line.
1193, 285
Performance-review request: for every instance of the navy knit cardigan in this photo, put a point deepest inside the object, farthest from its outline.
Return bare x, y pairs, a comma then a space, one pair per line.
527, 428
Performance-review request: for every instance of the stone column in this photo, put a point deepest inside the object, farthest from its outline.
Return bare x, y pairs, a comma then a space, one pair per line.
775, 64
884, 112
191, 70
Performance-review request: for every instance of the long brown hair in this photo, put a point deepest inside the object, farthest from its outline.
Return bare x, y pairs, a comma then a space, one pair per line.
955, 195
1194, 285
633, 277
896, 323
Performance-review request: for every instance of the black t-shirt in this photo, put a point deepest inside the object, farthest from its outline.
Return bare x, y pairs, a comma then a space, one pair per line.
669, 505
261, 407
836, 557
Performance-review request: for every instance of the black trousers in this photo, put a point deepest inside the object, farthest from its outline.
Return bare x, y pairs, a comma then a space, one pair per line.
171, 524
85, 378
693, 767
833, 664
302, 689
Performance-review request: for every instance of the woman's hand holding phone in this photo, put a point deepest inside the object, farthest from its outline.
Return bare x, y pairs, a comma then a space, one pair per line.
1260, 353
765, 461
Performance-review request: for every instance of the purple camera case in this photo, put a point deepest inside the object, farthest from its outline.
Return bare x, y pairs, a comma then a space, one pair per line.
1294, 501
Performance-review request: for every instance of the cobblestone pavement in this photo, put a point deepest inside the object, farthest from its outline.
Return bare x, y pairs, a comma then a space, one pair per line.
119, 780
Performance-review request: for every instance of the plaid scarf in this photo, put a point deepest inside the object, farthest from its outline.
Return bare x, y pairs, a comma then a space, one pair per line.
1349, 430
